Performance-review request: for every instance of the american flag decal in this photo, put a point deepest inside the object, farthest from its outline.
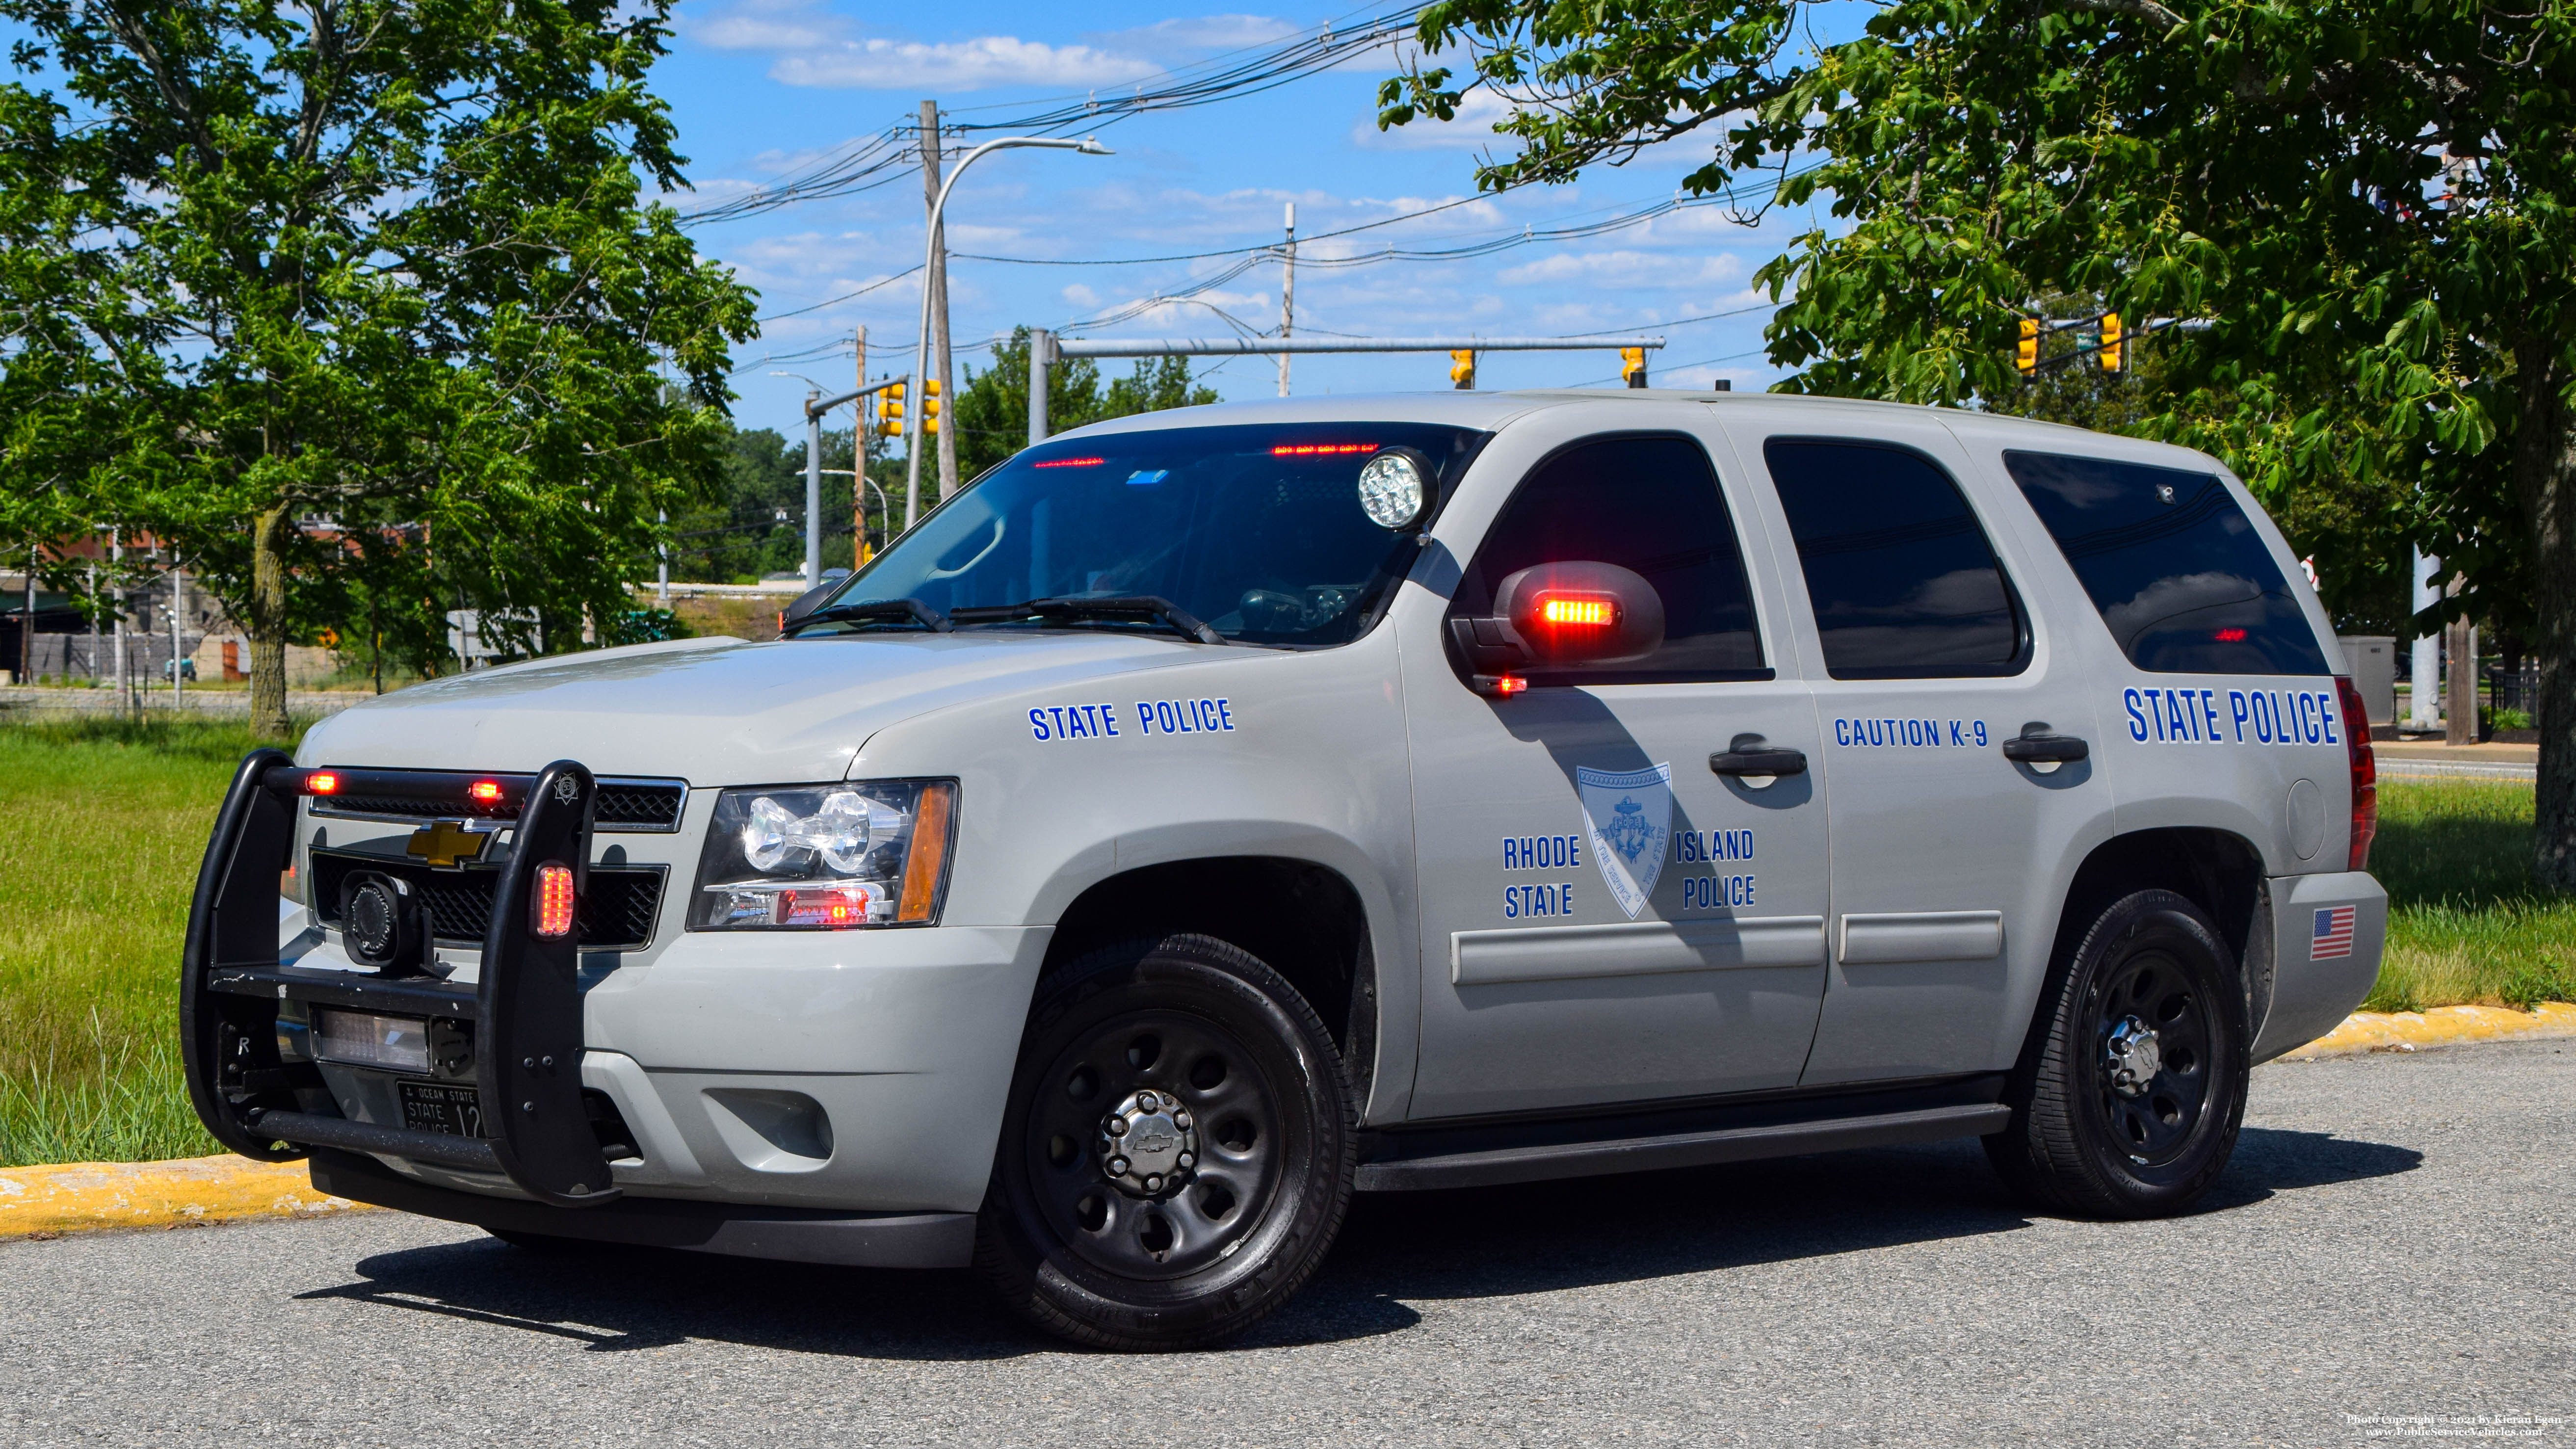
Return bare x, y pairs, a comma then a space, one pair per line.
2332, 935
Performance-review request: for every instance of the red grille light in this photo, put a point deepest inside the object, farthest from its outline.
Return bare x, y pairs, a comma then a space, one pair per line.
486, 791
2365, 773
551, 902
321, 782
835, 908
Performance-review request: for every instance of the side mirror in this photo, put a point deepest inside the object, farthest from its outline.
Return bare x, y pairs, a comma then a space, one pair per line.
1576, 612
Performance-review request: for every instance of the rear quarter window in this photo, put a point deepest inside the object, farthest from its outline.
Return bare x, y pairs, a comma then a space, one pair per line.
2173, 564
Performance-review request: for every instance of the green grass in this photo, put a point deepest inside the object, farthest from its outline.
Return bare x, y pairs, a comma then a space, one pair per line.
102, 821
2465, 923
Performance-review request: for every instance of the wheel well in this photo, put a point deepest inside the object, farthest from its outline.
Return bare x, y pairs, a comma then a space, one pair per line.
2219, 872
1304, 920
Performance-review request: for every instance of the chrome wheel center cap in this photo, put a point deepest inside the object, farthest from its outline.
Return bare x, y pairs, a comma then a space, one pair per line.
2132, 1056
1148, 1144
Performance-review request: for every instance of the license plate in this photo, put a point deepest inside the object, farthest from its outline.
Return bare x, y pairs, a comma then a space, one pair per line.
450, 1111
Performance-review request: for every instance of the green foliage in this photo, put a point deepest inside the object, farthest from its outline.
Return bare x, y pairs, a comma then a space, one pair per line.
357, 304
2465, 921
991, 414
112, 815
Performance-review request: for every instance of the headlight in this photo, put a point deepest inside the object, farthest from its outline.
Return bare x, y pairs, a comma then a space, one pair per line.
825, 857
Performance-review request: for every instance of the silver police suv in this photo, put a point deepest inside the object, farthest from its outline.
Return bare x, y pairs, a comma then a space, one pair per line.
1207, 815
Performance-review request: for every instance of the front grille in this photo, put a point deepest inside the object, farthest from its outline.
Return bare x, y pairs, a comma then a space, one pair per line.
615, 914
623, 804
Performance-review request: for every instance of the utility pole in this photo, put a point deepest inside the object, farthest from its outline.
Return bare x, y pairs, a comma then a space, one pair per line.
859, 550
27, 628
813, 488
124, 671
2460, 722
1288, 294
1041, 369
935, 366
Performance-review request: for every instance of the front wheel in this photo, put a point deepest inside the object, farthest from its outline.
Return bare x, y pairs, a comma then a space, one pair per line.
1177, 1152
2127, 1102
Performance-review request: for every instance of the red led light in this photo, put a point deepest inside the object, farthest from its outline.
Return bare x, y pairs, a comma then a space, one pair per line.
1318, 450
486, 791
834, 908
1581, 612
321, 782
1071, 463
550, 904
1509, 685
2230, 636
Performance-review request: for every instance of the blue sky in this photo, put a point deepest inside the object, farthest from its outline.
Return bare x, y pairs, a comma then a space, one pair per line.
762, 87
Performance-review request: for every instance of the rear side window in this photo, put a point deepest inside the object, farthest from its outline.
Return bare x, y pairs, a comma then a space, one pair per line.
1904, 583
2174, 565
1646, 503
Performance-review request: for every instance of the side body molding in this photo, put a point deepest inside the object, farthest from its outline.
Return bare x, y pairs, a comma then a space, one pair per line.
1633, 948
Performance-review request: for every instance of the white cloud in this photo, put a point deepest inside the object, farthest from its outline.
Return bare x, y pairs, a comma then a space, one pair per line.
965, 65
818, 48
1199, 33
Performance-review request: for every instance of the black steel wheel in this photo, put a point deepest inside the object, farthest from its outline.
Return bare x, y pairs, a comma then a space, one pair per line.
2128, 1099
1177, 1152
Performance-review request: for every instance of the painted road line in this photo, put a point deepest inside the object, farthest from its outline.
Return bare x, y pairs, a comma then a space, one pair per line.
2458, 770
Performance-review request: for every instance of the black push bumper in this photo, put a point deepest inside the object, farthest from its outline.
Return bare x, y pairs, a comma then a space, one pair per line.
524, 1015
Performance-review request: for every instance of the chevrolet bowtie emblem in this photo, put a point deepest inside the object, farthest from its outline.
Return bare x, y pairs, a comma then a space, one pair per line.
448, 844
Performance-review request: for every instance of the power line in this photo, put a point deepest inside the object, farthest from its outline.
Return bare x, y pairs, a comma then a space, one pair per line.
890, 154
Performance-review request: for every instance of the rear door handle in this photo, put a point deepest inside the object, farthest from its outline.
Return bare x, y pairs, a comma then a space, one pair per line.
2039, 748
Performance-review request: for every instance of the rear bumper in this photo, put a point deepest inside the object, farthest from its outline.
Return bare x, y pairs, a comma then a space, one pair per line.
796, 1235
2317, 978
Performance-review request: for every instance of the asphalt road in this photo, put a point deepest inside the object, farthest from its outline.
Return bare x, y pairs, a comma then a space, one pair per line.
2393, 1238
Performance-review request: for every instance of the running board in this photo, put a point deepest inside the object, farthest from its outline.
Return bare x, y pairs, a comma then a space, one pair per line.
1540, 1162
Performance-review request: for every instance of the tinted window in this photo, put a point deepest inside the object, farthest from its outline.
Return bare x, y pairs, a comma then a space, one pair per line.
1256, 530
1902, 578
1650, 504
2176, 568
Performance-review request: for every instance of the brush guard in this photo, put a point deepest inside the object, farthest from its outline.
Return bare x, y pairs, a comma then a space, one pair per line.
524, 1011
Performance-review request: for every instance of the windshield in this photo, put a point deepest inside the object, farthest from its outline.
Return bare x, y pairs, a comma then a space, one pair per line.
1258, 531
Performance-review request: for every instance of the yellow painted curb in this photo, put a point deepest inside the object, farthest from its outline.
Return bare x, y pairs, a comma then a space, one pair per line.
76, 1196
2406, 1031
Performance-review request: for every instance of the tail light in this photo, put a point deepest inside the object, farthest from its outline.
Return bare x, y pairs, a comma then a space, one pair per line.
551, 902
2365, 772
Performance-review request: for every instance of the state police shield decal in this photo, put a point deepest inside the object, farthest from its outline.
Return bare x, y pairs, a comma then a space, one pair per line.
1629, 815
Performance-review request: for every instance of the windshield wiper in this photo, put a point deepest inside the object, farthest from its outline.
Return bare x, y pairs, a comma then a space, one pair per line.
876, 611
1125, 606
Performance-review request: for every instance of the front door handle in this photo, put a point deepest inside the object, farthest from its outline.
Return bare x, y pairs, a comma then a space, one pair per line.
1756, 761
2043, 751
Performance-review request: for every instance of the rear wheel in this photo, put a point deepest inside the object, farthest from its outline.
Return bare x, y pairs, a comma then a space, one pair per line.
2128, 1100
1177, 1152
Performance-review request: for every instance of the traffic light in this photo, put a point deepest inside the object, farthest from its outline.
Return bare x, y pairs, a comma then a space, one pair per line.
1462, 368
1632, 365
2026, 357
2110, 342
890, 411
930, 408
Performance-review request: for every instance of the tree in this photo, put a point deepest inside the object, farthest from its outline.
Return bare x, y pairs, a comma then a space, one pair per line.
2367, 202
992, 410
357, 303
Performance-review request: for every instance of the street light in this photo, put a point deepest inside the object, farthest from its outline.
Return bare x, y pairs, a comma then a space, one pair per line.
1088, 146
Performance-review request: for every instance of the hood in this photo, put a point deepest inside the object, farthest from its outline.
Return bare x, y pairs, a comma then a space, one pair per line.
714, 711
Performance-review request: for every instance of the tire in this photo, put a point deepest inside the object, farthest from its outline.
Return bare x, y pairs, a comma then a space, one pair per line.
1246, 1147
2129, 1096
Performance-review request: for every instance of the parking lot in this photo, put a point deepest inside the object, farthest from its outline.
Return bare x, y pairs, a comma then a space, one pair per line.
2392, 1240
